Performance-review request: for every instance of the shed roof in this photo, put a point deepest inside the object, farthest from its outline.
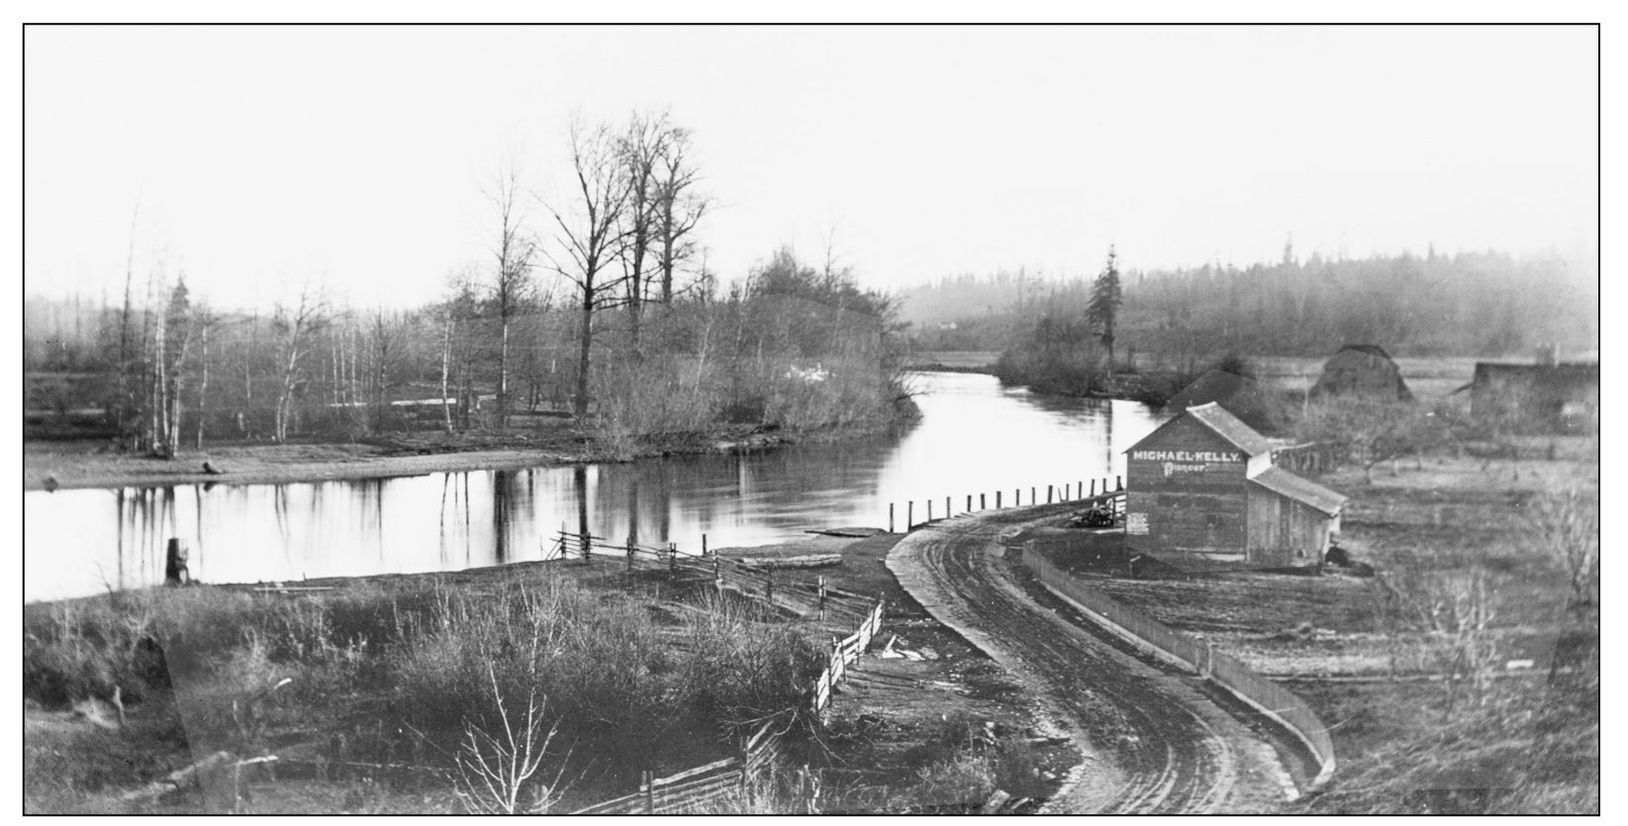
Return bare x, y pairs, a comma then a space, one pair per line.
1370, 349
1304, 491
1214, 385
1223, 424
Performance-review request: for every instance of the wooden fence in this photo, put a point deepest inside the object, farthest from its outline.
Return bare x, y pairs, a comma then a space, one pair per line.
1309, 458
842, 653
1267, 697
690, 790
807, 598
972, 503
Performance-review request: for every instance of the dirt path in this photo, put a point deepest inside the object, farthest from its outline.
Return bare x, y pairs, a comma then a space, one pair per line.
1154, 742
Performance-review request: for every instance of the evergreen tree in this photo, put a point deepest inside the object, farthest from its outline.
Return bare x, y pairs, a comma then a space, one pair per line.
1106, 296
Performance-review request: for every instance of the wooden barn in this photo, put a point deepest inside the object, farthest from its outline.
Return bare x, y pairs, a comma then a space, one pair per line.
1240, 395
1362, 370
1201, 493
1561, 397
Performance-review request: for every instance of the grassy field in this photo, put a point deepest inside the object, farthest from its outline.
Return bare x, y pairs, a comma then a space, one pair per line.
1461, 657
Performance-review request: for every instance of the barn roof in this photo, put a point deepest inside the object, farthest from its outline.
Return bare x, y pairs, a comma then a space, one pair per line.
1213, 386
1370, 349
1231, 428
1224, 424
1304, 491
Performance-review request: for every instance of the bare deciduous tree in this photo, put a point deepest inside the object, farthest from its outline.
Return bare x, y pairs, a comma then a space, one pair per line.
515, 250
679, 208
1569, 522
642, 147
590, 233
296, 326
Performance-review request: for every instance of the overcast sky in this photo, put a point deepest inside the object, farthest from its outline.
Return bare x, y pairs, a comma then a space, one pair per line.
355, 157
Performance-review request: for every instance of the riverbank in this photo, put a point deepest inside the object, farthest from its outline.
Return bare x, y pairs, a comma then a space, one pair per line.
94, 464
121, 690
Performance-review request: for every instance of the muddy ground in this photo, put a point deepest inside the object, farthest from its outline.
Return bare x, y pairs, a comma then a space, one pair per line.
1155, 741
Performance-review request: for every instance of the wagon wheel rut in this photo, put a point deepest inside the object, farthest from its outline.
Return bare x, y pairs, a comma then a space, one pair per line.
1154, 742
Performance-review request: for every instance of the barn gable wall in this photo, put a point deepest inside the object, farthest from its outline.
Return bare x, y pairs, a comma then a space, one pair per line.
1186, 494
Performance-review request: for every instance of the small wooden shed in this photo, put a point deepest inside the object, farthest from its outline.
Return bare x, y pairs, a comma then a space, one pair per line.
1558, 398
1202, 493
1362, 370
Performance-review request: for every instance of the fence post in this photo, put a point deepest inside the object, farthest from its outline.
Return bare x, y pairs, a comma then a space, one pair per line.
981, 505
587, 545
946, 507
822, 597
703, 544
890, 517
1032, 498
630, 554
929, 510
672, 559
1093, 488
997, 500
1048, 494
648, 786
1119, 483
910, 515
969, 503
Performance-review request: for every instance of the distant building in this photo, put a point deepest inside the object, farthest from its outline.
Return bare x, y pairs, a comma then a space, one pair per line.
1556, 397
1202, 493
1364, 370
1241, 396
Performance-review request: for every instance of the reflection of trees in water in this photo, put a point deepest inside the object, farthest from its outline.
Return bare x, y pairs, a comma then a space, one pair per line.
143, 514
197, 527
511, 509
118, 536
580, 481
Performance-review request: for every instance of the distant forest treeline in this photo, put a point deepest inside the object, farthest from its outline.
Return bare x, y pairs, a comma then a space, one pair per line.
1485, 304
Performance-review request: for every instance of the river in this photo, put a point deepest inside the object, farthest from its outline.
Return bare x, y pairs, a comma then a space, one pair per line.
974, 437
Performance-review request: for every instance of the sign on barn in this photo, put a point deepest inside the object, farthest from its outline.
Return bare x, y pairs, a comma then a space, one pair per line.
1201, 492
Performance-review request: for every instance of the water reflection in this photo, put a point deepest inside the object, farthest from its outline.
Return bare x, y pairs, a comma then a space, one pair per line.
974, 438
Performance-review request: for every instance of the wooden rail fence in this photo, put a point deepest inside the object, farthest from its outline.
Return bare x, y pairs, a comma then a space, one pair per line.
1309, 458
813, 599
690, 790
1267, 697
1067, 492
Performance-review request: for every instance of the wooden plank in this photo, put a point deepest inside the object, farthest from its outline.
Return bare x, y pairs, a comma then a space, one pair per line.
757, 736
717, 765
614, 805
697, 790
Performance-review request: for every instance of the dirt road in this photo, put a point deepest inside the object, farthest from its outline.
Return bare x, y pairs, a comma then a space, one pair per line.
1154, 740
